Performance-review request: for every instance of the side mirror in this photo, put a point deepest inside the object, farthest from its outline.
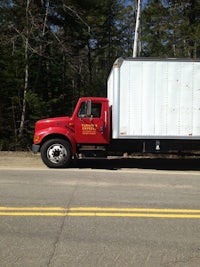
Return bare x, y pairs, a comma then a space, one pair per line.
89, 108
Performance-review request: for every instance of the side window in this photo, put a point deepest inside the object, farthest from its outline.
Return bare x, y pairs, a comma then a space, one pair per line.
96, 110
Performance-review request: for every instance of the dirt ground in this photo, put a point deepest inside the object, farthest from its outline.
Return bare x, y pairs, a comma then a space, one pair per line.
20, 160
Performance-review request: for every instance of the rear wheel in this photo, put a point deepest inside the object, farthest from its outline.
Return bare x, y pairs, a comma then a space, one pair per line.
56, 153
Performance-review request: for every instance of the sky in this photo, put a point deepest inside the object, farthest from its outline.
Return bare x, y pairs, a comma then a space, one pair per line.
129, 2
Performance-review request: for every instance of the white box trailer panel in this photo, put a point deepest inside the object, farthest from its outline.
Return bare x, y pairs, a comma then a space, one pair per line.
155, 98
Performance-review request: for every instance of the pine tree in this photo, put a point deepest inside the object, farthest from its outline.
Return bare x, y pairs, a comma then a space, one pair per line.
171, 28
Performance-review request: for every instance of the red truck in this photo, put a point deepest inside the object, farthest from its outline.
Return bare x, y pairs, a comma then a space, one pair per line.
152, 105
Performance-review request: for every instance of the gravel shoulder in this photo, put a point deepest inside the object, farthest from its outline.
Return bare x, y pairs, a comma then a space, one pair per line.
25, 160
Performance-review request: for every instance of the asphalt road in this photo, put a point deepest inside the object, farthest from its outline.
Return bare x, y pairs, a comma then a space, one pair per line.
96, 216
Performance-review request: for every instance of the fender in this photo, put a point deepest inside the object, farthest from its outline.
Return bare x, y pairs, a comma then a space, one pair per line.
66, 132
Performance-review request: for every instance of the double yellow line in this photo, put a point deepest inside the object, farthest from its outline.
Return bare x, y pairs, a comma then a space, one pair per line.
100, 212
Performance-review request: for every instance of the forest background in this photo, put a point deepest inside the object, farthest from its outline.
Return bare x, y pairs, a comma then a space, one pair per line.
53, 52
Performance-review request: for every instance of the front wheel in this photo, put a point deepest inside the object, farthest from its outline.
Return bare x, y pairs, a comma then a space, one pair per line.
56, 153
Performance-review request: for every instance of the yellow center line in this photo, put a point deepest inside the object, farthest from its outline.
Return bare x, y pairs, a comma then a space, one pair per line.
97, 209
104, 214
100, 212
165, 210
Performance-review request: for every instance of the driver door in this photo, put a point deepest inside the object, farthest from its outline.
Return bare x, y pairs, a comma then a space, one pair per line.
89, 128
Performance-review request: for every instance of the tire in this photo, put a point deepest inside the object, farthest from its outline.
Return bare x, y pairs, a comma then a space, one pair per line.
56, 153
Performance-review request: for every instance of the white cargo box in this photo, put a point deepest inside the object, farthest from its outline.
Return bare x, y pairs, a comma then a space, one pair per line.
153, 98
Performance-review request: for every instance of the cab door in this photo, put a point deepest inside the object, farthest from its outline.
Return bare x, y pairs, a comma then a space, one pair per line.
90, 127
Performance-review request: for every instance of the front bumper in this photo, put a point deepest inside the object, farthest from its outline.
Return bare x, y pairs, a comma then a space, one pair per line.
35, 148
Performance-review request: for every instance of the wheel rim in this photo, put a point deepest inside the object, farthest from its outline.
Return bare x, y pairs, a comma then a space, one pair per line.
56, 153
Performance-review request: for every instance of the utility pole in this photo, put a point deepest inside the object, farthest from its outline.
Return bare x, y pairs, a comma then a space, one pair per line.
137, 27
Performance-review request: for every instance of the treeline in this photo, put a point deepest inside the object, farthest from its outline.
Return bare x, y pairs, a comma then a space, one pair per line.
53, 52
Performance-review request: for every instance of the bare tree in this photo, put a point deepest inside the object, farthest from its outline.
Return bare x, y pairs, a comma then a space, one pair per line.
26, 76
27, 48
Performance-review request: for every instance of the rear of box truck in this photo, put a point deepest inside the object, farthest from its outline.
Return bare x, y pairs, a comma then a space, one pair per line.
155, 99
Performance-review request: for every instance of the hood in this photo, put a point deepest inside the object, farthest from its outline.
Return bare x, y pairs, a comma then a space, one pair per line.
52, 122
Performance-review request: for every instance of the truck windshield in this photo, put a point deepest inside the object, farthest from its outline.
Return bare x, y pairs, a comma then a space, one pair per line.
83, 110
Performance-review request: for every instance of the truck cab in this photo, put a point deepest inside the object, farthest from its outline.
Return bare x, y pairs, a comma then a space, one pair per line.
87, 130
